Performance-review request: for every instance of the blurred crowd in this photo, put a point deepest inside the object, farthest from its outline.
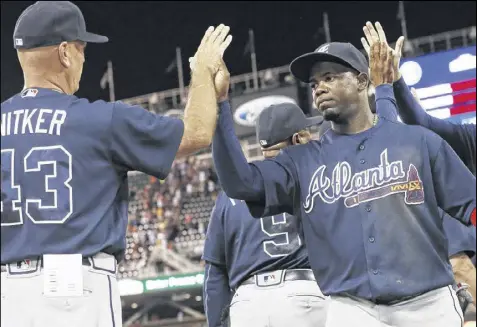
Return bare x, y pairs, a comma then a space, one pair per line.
156, 215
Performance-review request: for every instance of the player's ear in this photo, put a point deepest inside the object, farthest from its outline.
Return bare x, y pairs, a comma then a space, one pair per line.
302, 137
363, 81
64, 54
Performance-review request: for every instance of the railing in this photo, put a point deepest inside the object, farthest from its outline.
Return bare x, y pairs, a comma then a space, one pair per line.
174, 260
170, 99
244, 83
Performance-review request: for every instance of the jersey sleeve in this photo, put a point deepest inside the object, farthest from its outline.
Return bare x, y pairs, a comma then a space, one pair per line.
143, 141
280, 183
461, 137
454, 184
214, 246
386, 106
217, 294
238, 179
461, 238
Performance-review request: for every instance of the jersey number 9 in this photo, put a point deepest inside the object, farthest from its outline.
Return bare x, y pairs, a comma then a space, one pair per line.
283, 231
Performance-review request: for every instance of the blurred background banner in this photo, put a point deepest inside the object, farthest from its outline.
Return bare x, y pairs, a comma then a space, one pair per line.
445, 82
247, 107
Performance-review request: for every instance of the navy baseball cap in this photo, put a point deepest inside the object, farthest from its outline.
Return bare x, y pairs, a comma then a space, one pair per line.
48, 23
344, 53
279, 122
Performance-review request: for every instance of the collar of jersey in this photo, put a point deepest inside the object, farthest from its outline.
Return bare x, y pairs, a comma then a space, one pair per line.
359, 137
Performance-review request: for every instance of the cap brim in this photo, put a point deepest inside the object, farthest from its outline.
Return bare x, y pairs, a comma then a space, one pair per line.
93, 38
301, 66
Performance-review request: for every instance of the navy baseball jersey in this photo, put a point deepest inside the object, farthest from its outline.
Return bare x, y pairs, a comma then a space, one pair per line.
461, 238
374, 205
246, 245
369, 203
461, 137
64, 171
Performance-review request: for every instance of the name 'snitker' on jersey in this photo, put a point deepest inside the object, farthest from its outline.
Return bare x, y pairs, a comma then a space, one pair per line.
364, 186
33, 121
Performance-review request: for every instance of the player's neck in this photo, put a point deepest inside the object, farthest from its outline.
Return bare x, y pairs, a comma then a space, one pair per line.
39, 81
362, 121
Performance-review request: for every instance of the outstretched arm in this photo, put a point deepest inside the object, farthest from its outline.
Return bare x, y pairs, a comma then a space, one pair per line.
238, 178
267, 186
449, 173
461, 138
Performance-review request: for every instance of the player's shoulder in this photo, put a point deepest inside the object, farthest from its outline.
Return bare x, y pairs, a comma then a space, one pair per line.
469, 129
94, 105
400, 127
415, 133
128, 112
7, 102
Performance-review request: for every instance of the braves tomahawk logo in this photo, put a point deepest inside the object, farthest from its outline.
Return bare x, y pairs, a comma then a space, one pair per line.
367, 185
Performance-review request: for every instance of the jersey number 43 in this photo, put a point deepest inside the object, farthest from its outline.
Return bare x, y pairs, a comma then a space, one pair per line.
43, 193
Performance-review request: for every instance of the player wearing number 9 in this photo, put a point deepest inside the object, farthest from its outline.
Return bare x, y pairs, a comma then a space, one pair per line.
260, 266
65, 164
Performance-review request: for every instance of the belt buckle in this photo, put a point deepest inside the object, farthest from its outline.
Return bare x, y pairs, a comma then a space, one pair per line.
269, 278
23, 267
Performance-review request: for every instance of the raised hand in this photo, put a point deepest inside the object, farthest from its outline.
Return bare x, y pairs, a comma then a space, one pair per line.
375, 34
221, 79
222, 82
211, 49
380, 64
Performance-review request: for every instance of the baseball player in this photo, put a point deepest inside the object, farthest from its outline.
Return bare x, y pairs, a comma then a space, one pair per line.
64, 171
262, 260
462, 246
368, 195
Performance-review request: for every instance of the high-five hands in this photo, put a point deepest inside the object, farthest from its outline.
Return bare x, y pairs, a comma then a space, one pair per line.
220, 72
376, 46
211, 49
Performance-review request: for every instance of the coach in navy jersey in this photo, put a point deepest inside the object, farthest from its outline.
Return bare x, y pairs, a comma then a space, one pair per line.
462, 239
368, 194
64, 171
260, 261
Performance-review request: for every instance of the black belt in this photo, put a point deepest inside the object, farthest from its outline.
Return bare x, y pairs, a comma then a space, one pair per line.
290, 275
395, 301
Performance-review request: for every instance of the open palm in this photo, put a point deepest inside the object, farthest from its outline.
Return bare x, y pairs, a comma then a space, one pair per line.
375, 34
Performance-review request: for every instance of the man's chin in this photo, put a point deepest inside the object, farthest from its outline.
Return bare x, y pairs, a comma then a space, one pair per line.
331, 114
